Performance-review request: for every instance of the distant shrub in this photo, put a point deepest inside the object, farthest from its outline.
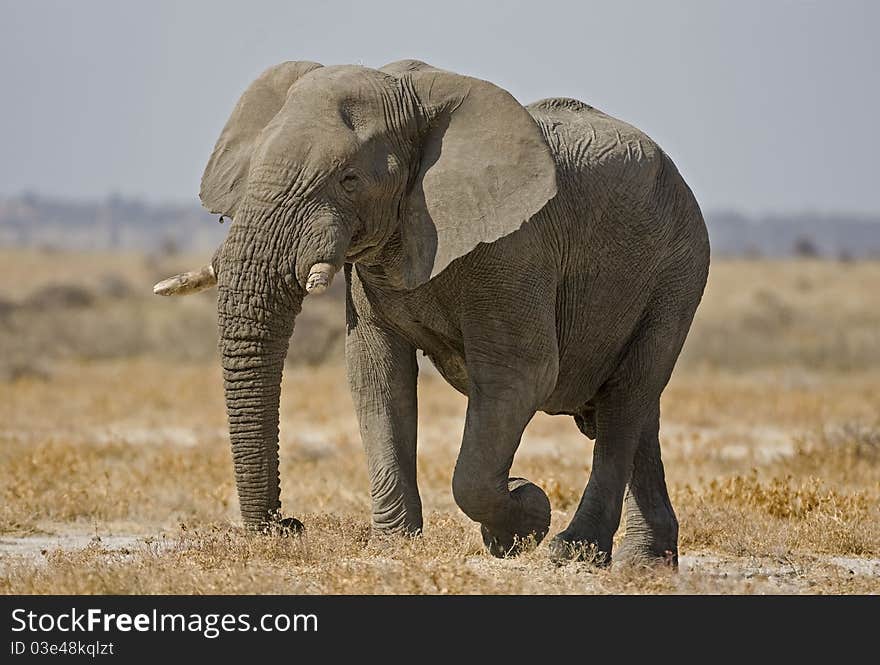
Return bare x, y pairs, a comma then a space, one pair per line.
60, 295
806, 248
6, 307
15, 369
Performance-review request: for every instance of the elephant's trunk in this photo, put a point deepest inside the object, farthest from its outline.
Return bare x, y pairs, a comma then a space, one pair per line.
254, 334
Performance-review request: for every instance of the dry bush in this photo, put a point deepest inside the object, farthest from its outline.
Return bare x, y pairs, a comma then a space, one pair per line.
823, 497
786, 498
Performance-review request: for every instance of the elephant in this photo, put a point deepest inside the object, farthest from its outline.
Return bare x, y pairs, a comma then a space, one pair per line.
546, 257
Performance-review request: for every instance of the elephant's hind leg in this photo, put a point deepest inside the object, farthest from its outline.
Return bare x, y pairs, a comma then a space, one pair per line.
618, 425
626, 457
651, 526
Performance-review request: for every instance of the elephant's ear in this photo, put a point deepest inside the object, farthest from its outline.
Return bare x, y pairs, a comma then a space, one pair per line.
485, 170
225, 175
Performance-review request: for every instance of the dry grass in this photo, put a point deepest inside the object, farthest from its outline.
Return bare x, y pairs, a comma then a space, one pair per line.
774, 468
143, 452
336, 557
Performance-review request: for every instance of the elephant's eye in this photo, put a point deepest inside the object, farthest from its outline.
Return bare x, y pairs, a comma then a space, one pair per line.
349, 182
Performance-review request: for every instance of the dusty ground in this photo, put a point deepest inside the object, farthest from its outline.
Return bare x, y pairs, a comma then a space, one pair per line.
115, 474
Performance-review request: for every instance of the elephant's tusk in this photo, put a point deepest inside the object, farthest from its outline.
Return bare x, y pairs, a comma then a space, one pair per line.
187, 282
320, 278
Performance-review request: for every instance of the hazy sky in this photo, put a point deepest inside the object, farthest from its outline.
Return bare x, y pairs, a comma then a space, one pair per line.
765, 106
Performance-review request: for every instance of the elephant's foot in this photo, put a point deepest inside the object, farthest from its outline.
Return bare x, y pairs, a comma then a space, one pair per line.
395, 521
651, 536
580, 545
399, 520
649, 543
642, 553
532, 521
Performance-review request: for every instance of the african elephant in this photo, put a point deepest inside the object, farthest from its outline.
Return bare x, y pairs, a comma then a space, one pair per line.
547, 257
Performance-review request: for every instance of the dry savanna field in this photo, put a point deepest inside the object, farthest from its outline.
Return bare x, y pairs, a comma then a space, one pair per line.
116, 475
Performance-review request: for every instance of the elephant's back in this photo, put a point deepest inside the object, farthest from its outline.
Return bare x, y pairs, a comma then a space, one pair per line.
624, 192
585, 141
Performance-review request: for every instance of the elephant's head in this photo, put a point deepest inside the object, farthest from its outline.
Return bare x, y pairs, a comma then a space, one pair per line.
402, 170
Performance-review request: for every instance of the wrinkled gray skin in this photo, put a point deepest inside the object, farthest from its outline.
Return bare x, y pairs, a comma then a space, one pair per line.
544, 258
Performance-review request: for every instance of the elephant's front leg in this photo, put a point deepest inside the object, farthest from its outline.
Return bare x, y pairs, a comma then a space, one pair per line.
382, 374
509, 510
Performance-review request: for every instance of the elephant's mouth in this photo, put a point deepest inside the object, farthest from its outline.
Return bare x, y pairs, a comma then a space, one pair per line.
364, 245
362, 253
